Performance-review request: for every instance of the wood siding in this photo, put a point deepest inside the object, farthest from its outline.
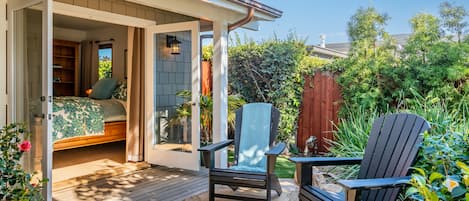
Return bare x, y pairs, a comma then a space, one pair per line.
131, 9
319, 111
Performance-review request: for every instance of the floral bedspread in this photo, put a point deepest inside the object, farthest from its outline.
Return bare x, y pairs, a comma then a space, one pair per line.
76, 116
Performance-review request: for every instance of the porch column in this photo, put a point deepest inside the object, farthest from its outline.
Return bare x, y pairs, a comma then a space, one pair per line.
220, 89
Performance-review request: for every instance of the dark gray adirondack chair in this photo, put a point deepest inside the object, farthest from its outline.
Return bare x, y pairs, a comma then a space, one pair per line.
392, 147
255, 153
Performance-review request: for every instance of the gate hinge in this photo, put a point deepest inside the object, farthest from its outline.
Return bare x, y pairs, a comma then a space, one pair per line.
43, 98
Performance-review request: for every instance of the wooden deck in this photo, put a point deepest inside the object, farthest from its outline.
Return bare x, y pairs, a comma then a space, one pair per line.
156, 183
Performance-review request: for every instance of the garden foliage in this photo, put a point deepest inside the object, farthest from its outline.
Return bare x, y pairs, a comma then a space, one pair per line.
272, 71
429, 76
15, 182
184, 111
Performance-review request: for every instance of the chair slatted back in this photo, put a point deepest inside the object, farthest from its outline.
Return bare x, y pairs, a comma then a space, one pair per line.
274, 121
392, 147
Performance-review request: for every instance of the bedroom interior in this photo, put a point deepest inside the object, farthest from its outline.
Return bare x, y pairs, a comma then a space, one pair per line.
84, 52
84, 148
89, 129
75, 56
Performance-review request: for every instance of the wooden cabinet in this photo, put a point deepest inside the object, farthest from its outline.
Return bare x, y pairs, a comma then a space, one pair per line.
66, 68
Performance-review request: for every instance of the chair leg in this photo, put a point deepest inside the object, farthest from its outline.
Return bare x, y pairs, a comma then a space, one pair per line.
276, 185
211, 191
268, 191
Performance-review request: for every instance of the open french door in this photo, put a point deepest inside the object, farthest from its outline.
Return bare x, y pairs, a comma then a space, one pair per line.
172, 95
30, 78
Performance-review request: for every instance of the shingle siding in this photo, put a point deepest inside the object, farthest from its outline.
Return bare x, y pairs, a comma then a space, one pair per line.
131, 9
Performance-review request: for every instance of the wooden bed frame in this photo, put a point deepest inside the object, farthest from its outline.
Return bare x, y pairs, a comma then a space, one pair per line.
113, 132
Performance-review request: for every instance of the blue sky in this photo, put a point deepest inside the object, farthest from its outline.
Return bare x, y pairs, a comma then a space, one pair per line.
105, 53
310, 18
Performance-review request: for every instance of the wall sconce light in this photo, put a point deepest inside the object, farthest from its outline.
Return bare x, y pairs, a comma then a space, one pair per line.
173, 44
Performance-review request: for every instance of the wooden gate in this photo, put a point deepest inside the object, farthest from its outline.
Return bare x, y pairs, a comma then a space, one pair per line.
319, 110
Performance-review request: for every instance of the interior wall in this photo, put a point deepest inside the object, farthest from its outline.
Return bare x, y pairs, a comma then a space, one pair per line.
69, 34
119, 34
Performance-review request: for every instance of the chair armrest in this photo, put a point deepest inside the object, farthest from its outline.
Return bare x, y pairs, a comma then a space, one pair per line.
208, 152
304, 164
374, 184
276, 150
215, 146
324, 161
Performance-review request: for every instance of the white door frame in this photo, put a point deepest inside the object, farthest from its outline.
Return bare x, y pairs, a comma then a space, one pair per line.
46, 8
152, 153
107, 17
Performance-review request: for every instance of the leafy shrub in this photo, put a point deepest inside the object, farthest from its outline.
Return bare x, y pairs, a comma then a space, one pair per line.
206, 112
443, 153
15, 183
445, 145
104, 69
272, 71
207, 53
430, 77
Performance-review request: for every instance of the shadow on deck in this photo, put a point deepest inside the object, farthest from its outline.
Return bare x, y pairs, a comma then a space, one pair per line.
160, 184
156, 183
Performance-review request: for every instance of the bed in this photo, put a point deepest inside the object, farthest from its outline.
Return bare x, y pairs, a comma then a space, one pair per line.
84, 121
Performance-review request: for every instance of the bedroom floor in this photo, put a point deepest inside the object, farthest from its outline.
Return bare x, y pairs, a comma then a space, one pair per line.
75, 166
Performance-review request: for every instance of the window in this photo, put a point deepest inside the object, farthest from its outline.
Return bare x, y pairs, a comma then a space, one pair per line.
105, 61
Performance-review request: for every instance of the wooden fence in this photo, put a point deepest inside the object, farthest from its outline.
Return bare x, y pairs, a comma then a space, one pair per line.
206, 78
319, 110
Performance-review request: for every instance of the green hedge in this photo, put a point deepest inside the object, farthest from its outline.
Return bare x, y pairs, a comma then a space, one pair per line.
272, 71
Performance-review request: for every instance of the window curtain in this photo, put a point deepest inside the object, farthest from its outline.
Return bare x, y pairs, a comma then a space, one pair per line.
136, 96
89, 65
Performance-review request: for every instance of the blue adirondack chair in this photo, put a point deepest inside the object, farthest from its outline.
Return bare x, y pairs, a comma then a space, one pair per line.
255, 153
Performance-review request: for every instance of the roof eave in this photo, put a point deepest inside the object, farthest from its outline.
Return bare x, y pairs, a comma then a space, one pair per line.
264, 8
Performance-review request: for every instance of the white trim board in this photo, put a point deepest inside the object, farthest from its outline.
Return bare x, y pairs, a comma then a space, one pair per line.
3, 63
211, 10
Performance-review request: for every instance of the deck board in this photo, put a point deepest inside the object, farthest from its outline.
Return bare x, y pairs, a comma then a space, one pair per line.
157, 184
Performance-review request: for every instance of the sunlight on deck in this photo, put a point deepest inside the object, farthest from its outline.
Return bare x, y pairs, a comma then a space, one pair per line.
159, 183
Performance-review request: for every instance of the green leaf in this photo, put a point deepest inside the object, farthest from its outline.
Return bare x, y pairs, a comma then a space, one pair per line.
410, 191
435, 175
420, 171
419, 179
457, 192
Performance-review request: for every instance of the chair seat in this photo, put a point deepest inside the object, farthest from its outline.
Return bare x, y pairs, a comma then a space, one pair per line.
313, 193
247, 168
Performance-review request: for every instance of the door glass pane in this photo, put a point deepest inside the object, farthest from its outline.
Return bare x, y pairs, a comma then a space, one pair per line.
28, 72
172, 72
